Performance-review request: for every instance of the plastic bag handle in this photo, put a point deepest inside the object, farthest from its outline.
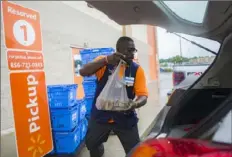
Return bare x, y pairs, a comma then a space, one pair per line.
117, 70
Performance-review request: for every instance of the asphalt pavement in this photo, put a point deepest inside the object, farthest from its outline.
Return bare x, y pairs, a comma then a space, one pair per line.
165, 86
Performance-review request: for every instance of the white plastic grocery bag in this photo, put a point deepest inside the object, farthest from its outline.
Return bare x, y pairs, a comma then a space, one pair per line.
114, 95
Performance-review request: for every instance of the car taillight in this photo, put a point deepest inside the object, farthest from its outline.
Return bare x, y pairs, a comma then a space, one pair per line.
177, 77
170, 147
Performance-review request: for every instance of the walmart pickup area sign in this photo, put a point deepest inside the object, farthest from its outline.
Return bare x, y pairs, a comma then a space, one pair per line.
23, 40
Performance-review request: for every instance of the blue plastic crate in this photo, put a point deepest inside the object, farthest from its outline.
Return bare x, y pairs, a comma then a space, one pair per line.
54, 146
61, 96
89, 104
90, 85
67, 142
61, 88
61, 103
64, 119
90, 88
82, 109
98, 51
52, 152
90, 78
84, 128
88, 55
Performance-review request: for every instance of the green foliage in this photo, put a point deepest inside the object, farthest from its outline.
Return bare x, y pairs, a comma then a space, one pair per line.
165, 65
168, 70
176, 60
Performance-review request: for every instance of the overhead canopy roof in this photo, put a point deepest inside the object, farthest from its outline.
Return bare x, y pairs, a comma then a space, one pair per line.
209, 19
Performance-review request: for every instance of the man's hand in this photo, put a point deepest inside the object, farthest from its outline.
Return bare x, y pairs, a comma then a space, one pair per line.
115, 58
132, 105
139, 102
92, 67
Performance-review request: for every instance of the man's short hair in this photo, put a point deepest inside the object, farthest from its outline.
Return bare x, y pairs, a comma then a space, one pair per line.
122, 40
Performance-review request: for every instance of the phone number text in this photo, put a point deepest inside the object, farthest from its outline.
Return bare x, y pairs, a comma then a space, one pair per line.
26, 65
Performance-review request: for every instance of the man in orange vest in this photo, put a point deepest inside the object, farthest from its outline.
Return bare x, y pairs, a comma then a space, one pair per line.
123, 124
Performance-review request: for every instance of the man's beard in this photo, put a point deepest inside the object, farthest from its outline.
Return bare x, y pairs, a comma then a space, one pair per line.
128, 61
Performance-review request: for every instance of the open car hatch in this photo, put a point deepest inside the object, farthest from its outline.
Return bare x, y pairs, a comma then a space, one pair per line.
209, 19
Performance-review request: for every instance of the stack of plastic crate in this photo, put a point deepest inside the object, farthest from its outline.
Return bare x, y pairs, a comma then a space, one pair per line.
66, 118
83, 123
88, 55
89, 88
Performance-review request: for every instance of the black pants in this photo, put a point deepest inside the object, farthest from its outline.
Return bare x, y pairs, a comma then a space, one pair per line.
97, 134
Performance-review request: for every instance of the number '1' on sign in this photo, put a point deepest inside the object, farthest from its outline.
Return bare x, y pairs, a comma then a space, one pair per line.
24, 33
24, 28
